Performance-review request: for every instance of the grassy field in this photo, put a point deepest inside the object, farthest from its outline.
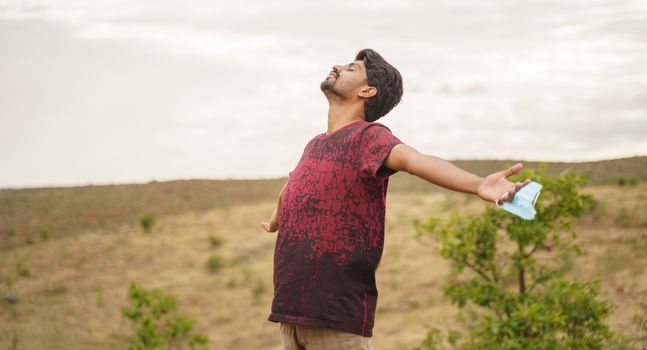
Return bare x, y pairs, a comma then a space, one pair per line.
73, 284
27, 215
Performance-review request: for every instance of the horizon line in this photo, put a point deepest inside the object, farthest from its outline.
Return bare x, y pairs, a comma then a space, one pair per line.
229, 178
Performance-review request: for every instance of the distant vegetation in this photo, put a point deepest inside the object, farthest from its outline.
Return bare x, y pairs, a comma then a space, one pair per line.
28, 216
215, 263
147, 221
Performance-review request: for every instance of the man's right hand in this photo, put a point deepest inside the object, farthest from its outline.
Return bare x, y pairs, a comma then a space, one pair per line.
273, 224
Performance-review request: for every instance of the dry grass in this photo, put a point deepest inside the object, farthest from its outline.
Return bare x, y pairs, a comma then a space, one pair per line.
34, 214
73, 287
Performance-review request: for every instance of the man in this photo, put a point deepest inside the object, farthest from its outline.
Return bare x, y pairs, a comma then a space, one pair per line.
330, 213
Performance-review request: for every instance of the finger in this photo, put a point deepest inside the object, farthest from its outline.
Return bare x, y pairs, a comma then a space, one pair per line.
502, 199
513, 169
520, 185
266, 226
508, 196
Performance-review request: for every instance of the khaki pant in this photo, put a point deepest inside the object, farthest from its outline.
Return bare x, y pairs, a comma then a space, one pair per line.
300, 337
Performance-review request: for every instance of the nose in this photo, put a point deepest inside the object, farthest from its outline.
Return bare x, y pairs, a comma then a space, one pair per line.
337, 68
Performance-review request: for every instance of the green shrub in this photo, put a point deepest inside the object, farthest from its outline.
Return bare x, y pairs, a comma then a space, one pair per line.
622, 181
431, 341
22, 270
156, 325
44, 234
215, 241
215, 263
544, 311
147, 221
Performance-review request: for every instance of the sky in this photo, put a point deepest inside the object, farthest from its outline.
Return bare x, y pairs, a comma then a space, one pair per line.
115, 91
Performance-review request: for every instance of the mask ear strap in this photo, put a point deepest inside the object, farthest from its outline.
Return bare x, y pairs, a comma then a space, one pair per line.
534, 200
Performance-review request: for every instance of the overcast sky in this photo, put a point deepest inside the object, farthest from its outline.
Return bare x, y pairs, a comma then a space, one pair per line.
114, 91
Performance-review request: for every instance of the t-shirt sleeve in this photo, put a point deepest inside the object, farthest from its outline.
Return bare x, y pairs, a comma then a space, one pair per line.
375, 145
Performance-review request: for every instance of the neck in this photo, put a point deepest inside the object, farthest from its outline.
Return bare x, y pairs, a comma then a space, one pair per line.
342, 114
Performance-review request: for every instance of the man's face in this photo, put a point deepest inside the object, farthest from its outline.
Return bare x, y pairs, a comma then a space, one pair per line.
345, 81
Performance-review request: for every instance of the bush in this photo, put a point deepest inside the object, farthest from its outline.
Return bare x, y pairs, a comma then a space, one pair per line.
44, 234
215, 241
155, 325
544, 311
621, 181
215, 263
147, 221
22, 270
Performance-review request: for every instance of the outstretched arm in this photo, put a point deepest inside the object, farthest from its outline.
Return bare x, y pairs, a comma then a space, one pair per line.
272, 225
493, 188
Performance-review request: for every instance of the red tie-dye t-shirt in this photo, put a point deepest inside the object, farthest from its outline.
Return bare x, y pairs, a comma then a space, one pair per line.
331, 230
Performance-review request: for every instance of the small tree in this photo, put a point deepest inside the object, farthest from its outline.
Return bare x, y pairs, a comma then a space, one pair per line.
147, 221
517, 296
154, 325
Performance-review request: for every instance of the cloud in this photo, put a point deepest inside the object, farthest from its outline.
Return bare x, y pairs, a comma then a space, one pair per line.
187, 39
128, 91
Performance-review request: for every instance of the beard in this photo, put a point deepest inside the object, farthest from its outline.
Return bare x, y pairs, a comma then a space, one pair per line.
330, 89
327, 85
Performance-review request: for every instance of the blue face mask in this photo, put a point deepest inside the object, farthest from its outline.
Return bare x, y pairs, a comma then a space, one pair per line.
523, 202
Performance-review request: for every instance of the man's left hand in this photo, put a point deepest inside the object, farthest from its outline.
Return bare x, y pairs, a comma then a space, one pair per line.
497, 188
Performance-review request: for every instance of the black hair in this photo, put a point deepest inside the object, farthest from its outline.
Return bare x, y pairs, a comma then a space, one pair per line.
386, 79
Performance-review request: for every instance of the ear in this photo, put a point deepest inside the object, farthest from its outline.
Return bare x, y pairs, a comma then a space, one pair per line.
367, 91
